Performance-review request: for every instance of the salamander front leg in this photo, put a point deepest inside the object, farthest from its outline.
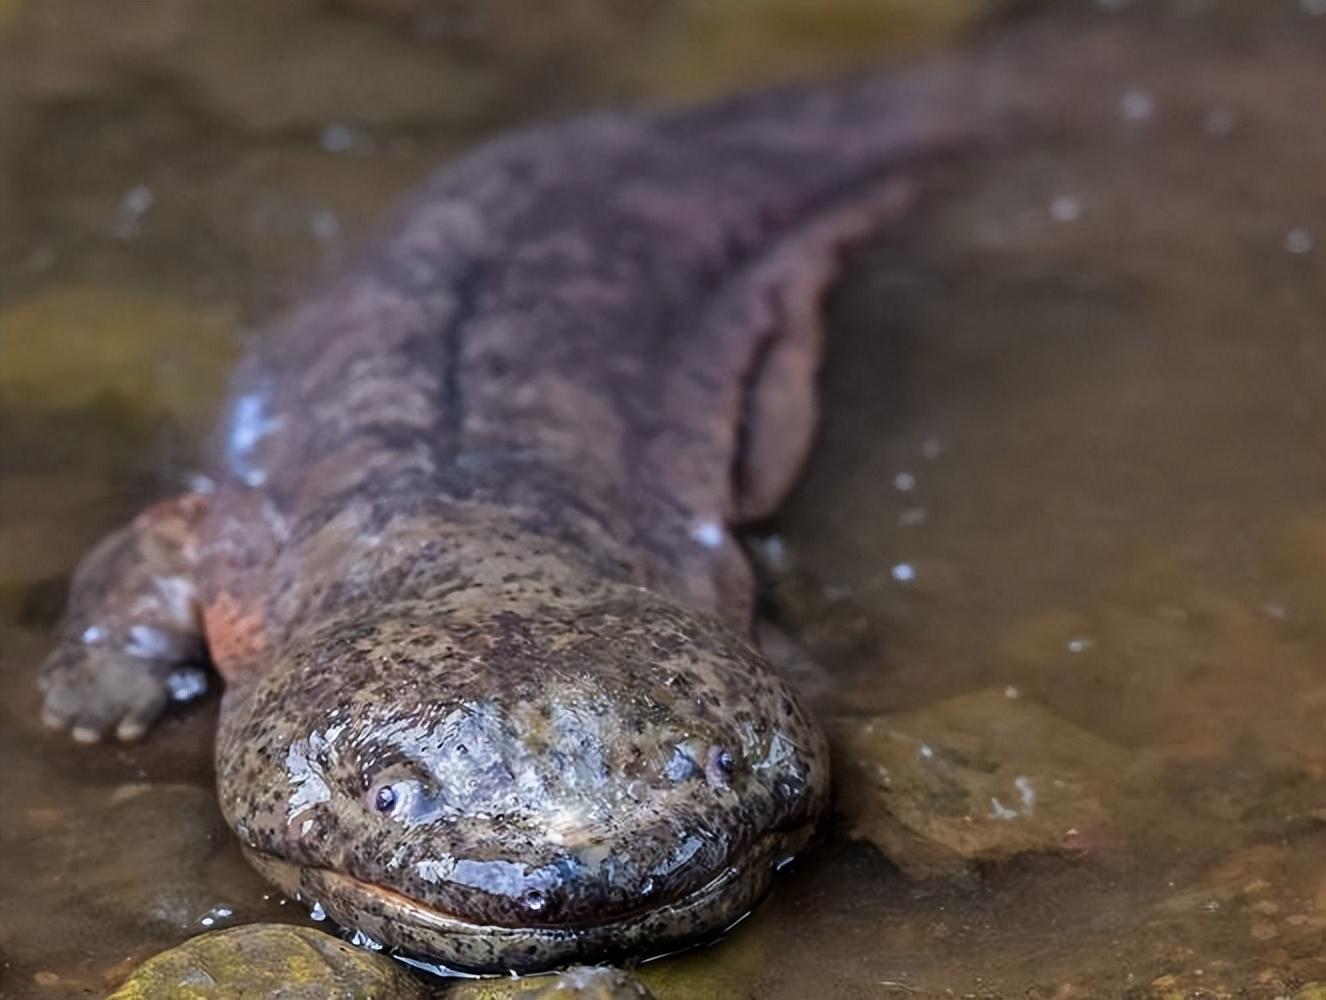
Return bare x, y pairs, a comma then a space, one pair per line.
133, 621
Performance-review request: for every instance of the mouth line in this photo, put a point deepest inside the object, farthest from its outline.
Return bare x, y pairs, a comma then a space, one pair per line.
426, 916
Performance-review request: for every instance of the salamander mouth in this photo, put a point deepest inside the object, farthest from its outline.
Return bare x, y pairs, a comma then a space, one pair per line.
423, 931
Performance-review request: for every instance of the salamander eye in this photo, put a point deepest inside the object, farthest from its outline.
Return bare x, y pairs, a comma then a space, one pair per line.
721, 765
400, 798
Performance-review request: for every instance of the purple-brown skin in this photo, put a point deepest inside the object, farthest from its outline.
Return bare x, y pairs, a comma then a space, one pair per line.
468, 569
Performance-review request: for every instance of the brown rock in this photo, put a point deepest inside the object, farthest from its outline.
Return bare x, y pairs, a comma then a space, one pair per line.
980, 777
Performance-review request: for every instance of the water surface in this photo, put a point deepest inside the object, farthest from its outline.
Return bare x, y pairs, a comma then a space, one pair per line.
1073, 450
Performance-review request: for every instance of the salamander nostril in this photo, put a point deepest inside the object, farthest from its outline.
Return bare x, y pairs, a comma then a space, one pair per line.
534, 900
789, 787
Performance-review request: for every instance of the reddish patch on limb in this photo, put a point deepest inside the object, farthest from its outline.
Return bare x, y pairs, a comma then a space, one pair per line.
236, 635
171, 526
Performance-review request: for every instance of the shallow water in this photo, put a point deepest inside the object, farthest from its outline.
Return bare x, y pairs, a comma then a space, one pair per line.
1073, 451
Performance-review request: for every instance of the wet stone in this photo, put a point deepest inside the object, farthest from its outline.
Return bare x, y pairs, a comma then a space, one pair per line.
269, 960
580, 983
977, 778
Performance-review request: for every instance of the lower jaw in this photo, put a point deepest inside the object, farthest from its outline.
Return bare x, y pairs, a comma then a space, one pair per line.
407, 926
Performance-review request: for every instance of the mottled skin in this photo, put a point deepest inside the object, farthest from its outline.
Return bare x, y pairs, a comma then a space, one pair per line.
467, 568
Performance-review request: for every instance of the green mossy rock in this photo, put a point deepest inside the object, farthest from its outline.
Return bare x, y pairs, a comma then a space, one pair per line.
269, 961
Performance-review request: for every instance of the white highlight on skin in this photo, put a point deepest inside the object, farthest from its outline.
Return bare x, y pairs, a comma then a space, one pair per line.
566, 824
177, 596
903, 572
186, 684
710, 534
148, 643
1000, 811
438, 872
310, 788
682, 855
249, 424
361, 940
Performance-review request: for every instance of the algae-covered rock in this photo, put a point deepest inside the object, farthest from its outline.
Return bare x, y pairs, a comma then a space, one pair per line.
980, 777
580, 983
284, 962
269, 961
704, 48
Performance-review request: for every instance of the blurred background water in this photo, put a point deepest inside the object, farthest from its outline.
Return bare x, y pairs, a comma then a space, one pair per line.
1066, 522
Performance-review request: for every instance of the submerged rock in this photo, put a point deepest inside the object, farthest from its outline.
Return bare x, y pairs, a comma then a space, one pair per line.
580, 983
269, 960
47, 522
733, 967
132, 857
980, 777
285, 962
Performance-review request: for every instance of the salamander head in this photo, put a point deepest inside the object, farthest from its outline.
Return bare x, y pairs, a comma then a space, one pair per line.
514, 790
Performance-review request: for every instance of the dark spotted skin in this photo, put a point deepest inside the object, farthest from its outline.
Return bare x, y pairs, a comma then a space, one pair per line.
467, 567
